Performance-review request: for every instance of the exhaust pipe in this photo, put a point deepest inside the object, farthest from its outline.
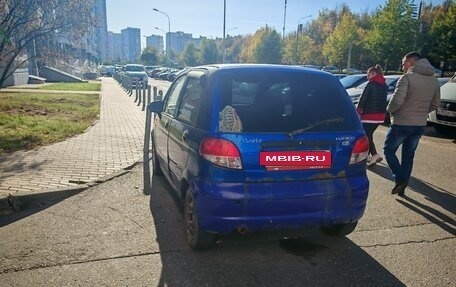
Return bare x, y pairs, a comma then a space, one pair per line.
242, 229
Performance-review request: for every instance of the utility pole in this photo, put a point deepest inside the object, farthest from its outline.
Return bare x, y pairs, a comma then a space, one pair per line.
284, 19
224, 22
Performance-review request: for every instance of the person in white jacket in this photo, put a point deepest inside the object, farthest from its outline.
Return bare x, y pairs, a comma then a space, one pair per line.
417, 93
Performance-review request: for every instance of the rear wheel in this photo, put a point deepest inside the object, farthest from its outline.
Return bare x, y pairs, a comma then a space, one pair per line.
339, 230
197, 238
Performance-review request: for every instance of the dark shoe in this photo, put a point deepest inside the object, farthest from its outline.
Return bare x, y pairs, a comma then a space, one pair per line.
399, 188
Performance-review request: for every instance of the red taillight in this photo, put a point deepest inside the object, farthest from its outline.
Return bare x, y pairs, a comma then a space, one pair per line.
360, 150
221, 152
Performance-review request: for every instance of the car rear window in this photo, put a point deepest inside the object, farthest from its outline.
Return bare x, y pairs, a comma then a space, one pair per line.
284, 102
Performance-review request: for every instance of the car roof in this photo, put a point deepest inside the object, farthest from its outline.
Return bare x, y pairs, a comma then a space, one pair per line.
265, 67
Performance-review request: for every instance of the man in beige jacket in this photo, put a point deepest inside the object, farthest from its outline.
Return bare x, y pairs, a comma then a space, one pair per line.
417, 93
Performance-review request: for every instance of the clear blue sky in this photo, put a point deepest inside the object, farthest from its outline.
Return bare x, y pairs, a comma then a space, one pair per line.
205, 17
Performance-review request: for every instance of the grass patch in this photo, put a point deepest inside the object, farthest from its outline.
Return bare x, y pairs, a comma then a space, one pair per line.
86, 87
28, 120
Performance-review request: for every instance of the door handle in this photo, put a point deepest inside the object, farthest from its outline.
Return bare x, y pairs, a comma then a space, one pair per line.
185, 136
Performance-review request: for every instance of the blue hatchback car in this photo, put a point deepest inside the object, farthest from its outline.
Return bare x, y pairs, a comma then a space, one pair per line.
260, 147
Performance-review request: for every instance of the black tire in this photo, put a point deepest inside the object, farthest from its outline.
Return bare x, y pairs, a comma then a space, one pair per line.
197, 238
339, 230
156, 169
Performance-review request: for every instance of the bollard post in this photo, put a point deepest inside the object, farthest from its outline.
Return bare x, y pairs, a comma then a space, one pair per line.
148, 94
140, 89
144, 96
146, 154
130, 86
136, 91
155, 93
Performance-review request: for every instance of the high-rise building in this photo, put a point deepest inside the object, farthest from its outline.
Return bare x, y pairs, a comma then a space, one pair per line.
114, 47
101, 29
155, 41
177, 41
131, 44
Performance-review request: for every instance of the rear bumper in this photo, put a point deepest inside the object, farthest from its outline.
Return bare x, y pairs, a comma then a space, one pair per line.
224, 207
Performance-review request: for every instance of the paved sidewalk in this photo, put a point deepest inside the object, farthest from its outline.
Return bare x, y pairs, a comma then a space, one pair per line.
110, 147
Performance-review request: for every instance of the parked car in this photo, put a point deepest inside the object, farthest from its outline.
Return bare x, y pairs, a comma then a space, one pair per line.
355, 93
149, 70
137, 73
444, 119
340, 76
311, 66
107, 71
331, 69
257, 147
351, 81
443, 81
351, 71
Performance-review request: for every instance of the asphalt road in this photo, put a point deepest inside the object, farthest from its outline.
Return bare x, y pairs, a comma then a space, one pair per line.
118, 234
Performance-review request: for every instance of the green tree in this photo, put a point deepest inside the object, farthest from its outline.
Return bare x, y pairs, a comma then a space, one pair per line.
443, 31
339, 45
189, 56
208, 52
149, 56
24, 21
265, 46
234, 49
393, 33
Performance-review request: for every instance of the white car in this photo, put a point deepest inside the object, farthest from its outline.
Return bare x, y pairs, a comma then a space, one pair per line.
355, 93
444, 119
137, 73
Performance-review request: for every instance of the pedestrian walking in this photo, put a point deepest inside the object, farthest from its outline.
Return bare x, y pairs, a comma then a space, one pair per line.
417, 93
372, 108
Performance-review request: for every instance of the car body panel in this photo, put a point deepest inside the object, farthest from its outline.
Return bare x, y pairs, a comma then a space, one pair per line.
255, 196
445, 116
137, 73
351, 81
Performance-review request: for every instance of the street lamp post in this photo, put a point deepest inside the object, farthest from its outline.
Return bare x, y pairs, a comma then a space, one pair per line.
224, 27
169, 32
164, 32
298, 30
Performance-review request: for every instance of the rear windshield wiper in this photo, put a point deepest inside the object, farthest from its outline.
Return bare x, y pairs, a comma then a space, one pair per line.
316, 124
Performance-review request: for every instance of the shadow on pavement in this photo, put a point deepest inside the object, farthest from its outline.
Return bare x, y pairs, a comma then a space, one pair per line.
434, 216
29, 204
14, 163
434, 194
257, 259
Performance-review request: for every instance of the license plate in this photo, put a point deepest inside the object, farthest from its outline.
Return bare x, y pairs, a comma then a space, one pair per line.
446, 113
292, 160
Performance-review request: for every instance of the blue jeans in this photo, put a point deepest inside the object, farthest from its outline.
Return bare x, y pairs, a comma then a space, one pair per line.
408, 136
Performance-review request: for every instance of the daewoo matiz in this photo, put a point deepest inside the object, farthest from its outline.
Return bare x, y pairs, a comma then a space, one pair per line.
260, 147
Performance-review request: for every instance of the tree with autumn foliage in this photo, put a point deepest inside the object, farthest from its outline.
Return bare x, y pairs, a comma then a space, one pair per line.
443, 32
24, 21
265, 46
342, 42
393, 33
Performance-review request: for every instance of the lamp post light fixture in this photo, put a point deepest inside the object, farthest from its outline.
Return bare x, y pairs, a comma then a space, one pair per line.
299, 30
169, 32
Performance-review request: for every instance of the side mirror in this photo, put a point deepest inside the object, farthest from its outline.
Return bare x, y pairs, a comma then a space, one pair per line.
155, 107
